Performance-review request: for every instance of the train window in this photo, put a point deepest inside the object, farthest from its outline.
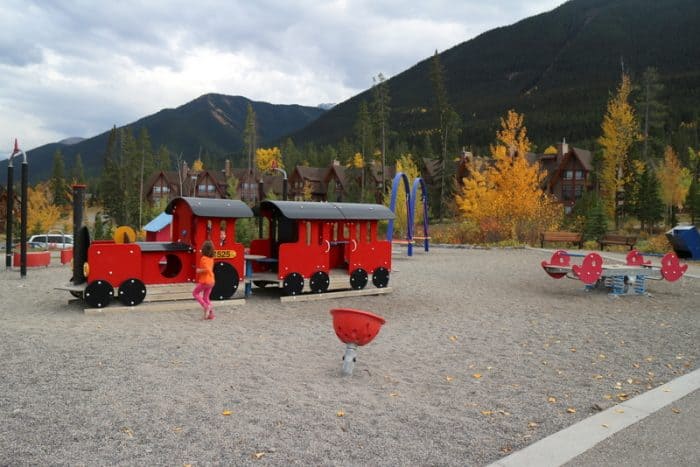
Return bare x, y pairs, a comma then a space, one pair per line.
209, 226
170, 265
358, 237
334, 234
368, 230
222, 233
346, 231
307, 226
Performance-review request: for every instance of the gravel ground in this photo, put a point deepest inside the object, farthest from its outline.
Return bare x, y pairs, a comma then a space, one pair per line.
482, 354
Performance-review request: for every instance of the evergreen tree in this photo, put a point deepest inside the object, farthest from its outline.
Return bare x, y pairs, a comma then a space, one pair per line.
250, 138
78, 173
596, 224
449, 125
652, 112
649, 208
59, 187
364, 130
693, 200
382, 109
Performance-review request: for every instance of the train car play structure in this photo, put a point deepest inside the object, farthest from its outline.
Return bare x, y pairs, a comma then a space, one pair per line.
618, 278
307, 243
312, 241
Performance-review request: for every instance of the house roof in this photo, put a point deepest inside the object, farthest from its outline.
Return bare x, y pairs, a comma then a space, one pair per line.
330, 211
213, 207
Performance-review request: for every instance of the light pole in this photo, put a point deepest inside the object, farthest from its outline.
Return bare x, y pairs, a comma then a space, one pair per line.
23, 214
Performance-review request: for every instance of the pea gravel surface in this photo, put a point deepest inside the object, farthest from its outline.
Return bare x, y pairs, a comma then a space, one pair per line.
482, 354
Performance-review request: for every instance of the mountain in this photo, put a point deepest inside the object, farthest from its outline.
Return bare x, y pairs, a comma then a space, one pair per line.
212, 123
558, 68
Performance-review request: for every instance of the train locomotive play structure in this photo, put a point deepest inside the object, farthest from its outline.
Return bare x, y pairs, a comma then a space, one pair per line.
618, 278
307, 243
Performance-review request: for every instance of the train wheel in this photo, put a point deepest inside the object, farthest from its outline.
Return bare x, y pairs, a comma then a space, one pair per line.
98, 294
319, 282
132, 292
358, 279
226, 283
293, 283
380, 277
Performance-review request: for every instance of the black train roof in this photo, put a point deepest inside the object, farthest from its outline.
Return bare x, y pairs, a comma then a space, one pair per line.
330, 211
213, 207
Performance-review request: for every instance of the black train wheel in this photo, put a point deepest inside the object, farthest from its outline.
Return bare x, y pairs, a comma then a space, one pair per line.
293, 284
319, 282
380, 277
358, 279
227, 280
132, 292
98, 294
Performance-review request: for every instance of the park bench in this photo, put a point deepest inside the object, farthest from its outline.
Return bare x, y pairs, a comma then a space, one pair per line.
617, 239
569, 237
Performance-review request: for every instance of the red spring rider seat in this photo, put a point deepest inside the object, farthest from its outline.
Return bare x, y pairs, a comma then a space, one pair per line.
354, 328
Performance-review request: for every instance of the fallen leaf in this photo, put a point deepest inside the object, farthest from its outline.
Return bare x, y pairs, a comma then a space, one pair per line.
128, 432
453, 338
393, 394
257, 455
489, 368
629, 381
449, 378
675, 410
604, 425
533, 425
618, 385
226, 412
607, 396
177, 429
506, 449
602, 356
571, 410
597, 376
551, 399
666, 389
340, 413
487, 412
572, 349
636, 365
619, 410
650, 358
623, 396
476, 375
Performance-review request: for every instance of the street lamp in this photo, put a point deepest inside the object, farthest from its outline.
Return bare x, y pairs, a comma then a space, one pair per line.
23, 215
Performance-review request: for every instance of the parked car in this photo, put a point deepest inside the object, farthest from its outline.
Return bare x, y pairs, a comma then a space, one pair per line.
52, 241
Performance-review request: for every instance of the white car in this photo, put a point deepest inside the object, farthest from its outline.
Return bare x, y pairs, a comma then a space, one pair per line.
53, 241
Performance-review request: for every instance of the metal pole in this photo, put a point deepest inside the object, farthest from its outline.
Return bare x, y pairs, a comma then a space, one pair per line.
23, 216
79, 250
10, 208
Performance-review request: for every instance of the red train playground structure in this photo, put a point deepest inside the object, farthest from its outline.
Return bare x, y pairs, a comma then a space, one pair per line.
306, 243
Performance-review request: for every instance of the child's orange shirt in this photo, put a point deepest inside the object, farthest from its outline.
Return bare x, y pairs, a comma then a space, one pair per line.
207, 275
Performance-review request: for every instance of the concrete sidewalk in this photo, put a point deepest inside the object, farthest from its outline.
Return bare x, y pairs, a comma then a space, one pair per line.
660, 427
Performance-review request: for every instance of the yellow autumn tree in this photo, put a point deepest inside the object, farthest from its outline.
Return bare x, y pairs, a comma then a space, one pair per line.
197, 166
307, 191
506, 199
357, 161
619, 132
674, 181
264, 158
407, 165
42, 214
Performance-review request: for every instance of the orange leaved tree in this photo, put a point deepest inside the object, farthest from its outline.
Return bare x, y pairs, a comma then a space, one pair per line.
506, 199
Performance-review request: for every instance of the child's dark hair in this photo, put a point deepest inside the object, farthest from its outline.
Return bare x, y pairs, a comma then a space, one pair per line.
208, 248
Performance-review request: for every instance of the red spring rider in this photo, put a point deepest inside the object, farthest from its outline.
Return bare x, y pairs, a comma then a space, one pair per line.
355, 328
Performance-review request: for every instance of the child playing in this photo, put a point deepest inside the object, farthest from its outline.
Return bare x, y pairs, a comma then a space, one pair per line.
205, 279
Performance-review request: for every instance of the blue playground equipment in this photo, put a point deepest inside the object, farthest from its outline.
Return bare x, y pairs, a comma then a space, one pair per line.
411, 197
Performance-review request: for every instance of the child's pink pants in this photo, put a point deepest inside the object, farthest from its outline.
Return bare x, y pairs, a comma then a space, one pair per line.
201, 293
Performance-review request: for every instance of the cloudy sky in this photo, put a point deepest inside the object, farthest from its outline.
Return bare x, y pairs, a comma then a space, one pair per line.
76, 68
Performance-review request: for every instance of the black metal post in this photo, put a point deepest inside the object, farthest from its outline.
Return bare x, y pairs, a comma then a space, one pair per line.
23, 216
10, 217
78, 247
261, 195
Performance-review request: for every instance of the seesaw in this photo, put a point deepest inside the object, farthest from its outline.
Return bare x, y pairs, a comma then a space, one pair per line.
617, 277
